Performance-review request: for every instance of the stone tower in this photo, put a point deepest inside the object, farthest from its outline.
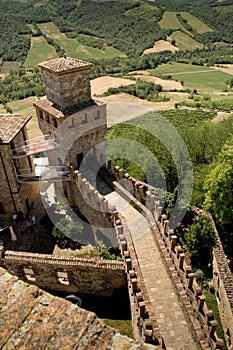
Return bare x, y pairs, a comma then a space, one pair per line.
69, 113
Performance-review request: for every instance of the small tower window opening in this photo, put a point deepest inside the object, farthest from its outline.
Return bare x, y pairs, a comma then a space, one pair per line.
97, 115
55, 123
84, 121
41, 114
71, 123
47, 118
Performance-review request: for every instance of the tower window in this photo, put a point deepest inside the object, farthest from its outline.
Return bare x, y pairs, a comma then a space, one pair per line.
71, 123
98, 115
40, 114
84, 121
55, 123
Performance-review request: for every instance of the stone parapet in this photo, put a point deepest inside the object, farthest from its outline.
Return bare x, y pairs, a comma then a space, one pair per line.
80, 275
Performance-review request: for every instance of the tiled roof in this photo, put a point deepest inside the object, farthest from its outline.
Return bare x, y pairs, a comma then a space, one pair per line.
56, 111
10, 125
64, 65
33, 319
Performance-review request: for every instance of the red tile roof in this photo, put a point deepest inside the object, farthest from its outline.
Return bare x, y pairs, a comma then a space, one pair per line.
64, 65
56, 111
34, 319
10, 125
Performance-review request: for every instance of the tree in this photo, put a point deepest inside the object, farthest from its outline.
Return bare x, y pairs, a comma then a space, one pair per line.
68, 227
218, 187
198, 240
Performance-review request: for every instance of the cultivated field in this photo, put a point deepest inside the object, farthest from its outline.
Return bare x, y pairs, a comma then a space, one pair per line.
195, 23
160, 45
38, 51
226, 68
73, 48
184, 41
102, 84
204, 79
165, 83
170, 21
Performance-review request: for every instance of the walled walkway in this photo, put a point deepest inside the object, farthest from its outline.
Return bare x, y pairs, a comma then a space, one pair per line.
167, 308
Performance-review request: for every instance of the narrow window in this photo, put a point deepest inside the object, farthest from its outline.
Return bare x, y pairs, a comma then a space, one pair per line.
40, 114
97, 115
71, 123
84, 121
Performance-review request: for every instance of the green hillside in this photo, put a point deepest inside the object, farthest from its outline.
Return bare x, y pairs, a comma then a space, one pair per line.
91, 29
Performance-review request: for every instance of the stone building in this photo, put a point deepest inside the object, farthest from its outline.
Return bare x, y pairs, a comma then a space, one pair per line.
69, 113
15, 196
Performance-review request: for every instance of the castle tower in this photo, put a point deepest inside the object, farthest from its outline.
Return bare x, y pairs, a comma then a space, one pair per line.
69, 113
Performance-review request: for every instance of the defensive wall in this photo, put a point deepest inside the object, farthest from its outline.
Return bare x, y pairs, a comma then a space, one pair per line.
85, 275
68, 275
223, 285
190, 293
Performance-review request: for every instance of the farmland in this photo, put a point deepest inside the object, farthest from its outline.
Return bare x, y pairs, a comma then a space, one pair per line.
38, 51
73, 48
184, 41
205, 79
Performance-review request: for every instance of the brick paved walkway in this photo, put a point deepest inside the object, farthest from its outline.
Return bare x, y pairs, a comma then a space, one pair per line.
170, 316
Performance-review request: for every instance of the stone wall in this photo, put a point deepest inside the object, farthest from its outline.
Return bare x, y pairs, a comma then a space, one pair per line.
68, 275
92, 205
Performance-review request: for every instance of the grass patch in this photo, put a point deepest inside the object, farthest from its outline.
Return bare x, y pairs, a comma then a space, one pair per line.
184, 42
124, 326
75, 49
196, 23
38, 51
212, 304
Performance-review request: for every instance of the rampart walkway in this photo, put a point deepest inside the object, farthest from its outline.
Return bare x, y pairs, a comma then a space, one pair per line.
170, 316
